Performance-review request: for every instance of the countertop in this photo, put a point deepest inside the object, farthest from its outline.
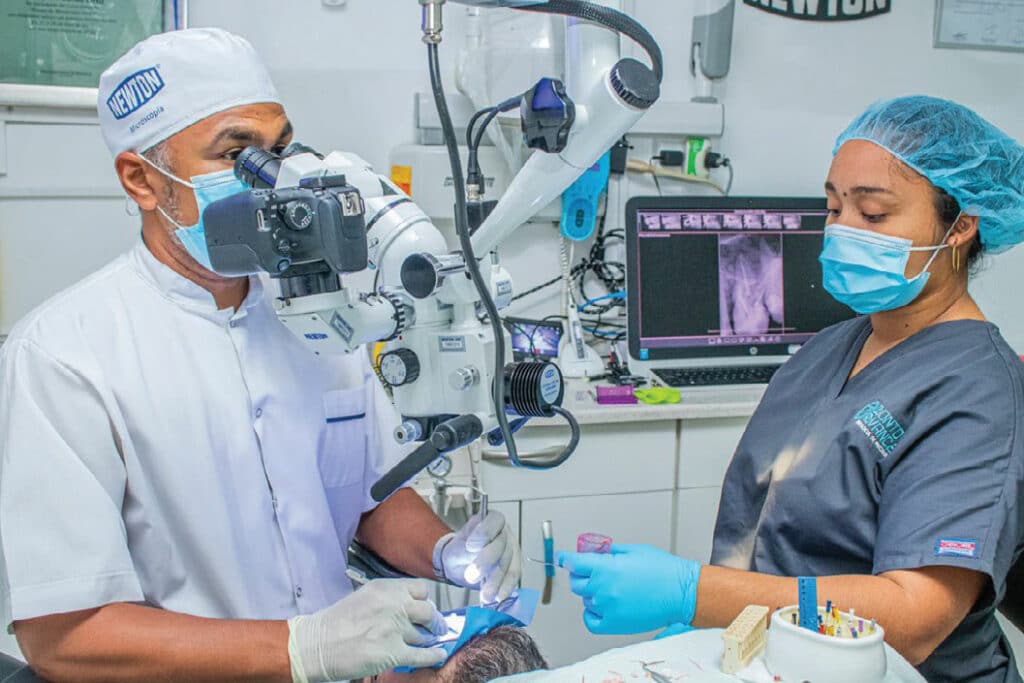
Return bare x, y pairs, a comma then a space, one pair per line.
697, 404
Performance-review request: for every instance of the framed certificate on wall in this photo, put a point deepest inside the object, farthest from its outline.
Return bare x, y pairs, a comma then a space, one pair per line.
977, 25
52, 52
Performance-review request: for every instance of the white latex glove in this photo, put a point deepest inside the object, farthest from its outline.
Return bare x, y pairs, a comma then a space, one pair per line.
483, 554
370, 631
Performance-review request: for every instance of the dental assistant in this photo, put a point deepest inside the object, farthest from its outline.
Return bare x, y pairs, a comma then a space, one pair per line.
886, 457
180, 478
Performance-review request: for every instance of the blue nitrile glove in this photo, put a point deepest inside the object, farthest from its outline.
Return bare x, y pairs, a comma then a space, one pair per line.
633, 589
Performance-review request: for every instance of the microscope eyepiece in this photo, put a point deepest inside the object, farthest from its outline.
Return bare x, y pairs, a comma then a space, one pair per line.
257, 168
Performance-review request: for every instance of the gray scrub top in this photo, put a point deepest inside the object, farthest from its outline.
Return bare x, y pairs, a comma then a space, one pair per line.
915, 461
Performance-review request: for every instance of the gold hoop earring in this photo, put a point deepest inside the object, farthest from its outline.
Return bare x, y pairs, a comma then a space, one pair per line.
956, 258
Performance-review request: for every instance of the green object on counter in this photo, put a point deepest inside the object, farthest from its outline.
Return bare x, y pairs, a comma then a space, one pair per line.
658, 395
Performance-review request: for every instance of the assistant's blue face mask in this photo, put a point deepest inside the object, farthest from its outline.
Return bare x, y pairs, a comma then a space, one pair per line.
867, 271
208, 188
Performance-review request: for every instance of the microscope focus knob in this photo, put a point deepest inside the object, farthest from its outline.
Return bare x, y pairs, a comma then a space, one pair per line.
400, 367
464, 378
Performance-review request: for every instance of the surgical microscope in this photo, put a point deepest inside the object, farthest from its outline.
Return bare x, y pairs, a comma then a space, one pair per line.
310, 219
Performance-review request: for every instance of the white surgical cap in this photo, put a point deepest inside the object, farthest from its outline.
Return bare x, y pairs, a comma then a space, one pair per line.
171, 80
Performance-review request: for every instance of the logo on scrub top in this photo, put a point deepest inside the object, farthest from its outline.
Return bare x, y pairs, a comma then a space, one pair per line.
956, 547
880, 427
134, 91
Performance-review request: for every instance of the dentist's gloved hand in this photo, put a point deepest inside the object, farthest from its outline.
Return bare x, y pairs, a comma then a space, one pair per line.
483, 554
371, 631
633, 589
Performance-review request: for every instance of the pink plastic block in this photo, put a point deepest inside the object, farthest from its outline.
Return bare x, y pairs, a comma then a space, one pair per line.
593, 543
610, 396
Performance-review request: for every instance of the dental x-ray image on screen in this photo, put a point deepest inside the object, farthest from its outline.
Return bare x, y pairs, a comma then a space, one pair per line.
750, 289
725, 276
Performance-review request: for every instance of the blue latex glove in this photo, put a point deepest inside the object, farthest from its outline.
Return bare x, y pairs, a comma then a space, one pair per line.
633, 589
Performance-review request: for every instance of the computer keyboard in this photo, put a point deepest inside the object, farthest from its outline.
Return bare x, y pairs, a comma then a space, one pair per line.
716, 376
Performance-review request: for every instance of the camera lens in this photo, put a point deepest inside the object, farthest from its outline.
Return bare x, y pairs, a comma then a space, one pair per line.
257, 168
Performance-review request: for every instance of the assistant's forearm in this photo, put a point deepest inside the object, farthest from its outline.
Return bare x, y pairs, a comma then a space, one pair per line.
403, 531
723, 593
125, 642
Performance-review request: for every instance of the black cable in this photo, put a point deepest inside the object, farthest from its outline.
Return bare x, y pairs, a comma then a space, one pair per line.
474, 174
593, 263
462, 229
472, 124
534, 290
474, 142
574, 439
609, 18
483, 127
474, 138
654, 175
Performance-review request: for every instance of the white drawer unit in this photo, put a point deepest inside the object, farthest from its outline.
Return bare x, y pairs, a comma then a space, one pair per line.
613, 458
706, 448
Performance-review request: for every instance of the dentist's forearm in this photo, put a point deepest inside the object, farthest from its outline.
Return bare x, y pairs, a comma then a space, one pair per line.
127, 642
403, 531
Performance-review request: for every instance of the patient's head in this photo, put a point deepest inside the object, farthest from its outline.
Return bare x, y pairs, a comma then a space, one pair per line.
504, 651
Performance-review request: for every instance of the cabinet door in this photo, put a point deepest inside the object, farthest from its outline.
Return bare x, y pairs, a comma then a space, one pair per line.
706, 448
629, 518
696, 512
611, 458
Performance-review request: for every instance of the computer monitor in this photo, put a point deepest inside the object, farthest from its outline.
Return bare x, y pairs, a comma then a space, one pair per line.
725, 277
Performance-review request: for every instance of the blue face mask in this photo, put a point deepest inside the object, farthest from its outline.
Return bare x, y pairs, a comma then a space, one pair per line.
208, 188
867, 271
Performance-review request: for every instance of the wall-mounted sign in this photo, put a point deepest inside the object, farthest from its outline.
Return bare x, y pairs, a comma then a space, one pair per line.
823, 10
53, 51
980, 26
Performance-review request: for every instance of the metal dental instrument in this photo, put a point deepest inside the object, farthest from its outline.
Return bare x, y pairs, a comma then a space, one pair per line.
655, 676
546, 564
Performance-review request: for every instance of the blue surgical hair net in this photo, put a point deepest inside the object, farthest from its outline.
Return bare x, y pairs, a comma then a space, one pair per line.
958, 151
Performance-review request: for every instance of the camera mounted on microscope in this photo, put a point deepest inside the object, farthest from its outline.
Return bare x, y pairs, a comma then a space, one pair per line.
305, 235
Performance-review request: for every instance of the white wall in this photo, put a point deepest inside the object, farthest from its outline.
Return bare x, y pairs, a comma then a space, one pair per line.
348, 76
793, 86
